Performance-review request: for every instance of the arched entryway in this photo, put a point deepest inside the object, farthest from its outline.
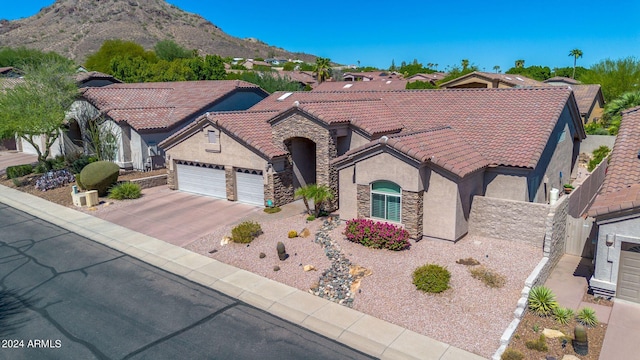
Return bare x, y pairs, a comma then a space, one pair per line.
303, 158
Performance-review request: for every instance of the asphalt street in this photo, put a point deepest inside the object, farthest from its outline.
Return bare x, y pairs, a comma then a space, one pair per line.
63, 296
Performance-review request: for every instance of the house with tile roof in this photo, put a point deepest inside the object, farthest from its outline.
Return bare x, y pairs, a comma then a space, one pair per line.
616, 210
561, 81
141, 115
430, 78
479, 79
590, 101
415, 158
373, 85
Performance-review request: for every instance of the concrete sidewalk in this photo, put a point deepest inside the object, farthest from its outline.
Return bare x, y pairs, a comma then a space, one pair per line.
350, 327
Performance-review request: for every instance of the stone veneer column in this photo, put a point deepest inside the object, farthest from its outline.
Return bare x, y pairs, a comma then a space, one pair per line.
230, 182
171, 178
412, 212
364, 201
279, 187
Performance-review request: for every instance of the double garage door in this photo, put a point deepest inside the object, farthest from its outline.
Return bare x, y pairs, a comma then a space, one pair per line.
629, 275
210, 180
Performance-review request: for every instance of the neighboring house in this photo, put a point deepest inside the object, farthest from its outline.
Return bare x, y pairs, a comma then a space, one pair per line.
143, 114
373, 85
590, 102
430, 78
561, 81
616, 210
250, 63
414, 158
369, 76
478, 79
10, 72
95, 79
304, 78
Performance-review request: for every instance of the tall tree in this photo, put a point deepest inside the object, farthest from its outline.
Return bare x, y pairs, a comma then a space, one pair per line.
615, 76
519, 63
576, 53
35, 109
496, 68
321, 70
110, 49
168, 50
465, 64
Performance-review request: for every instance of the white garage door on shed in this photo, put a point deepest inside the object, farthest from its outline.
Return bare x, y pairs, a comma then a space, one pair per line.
629, 275
204, 179
249, 186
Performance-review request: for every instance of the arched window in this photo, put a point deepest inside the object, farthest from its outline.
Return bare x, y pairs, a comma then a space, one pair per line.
386, 200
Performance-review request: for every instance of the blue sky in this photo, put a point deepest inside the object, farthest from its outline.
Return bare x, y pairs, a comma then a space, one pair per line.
487, 33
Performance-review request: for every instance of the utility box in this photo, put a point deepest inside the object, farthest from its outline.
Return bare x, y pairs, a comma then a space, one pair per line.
79, 199
92, 198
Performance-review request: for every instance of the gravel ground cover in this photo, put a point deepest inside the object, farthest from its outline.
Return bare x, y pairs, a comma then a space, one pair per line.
469, 315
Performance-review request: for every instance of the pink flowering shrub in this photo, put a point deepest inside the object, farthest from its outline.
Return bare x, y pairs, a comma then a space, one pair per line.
377, 235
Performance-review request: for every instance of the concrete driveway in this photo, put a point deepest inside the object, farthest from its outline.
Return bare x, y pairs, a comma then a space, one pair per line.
176, 217
11, 158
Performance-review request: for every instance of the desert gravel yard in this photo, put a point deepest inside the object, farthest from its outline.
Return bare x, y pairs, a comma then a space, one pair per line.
470, 315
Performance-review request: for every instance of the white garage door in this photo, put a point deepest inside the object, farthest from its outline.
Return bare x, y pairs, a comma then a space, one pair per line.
202, 179
249, 186
629, 276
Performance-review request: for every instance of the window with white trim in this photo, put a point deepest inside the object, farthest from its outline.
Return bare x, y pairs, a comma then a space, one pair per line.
386, 200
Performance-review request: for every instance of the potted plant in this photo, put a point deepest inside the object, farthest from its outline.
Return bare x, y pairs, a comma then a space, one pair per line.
567, 188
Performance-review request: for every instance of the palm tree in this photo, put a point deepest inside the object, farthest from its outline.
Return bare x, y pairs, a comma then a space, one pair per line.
465, 64
318, 193
576, 53
612, 114
496, 68
321, 70
519, 63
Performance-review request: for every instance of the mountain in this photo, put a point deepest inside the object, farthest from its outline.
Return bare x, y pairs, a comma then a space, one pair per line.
77, 28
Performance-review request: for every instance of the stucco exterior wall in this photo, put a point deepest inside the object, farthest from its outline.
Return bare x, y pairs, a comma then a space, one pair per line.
348, 202
501, 183
619, 230
231, 152
509, 220
555, 164
440, 203
385, 166
357, 140
467, 188
593, 142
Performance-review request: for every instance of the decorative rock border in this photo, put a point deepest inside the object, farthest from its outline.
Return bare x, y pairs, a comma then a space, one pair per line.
334, 283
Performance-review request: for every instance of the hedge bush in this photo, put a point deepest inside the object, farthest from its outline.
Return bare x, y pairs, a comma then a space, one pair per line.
431, 278
245, 232
126, 190
377, 235
19, 170
100, 176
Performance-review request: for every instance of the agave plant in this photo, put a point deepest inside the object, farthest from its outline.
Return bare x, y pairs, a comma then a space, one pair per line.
563, 315
542, 301
587, 317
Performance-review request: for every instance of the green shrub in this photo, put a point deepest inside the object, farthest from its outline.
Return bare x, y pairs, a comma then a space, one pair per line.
587, 317
57, 163
511, 354
272, 210
431, 278
19, 171
487, 276
17, 182
41, 168
311, 218
100, 176
563, 315
245, 232
126, 190
79, 164
539, 345
598, 154
542, 301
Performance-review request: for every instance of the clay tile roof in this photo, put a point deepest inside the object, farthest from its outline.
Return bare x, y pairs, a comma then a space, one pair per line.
513, 80
586, 95
88, 75
370, 115
252, 128
563, 79
621, 188
381, 84
443, 147
148, 106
